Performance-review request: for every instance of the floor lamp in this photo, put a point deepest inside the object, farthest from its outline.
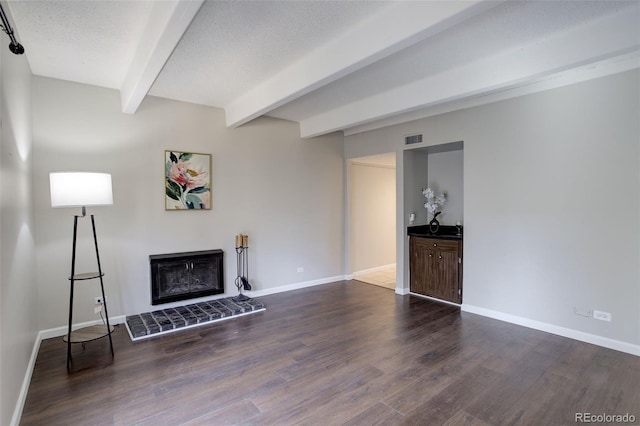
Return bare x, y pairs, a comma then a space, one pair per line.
78, 189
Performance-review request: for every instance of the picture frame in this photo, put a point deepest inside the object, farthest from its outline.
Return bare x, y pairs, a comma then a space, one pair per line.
187, 180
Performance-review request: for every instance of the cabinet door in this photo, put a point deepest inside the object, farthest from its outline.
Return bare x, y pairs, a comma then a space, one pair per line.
418, 265
434, 268
445, 276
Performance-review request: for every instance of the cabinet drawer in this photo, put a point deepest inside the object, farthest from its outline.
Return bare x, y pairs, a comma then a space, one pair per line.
438, 244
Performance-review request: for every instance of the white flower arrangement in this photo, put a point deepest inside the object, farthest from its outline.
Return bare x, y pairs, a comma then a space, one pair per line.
433, 202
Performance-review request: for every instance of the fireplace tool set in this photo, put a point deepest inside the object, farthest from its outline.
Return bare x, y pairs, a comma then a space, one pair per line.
242, 266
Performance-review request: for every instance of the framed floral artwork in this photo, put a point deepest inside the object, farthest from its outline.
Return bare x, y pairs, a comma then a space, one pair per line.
187, 181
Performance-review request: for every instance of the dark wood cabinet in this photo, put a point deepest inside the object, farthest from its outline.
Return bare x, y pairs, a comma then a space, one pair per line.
436, 268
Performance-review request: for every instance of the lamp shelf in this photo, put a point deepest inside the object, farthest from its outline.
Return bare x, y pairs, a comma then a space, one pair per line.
94, 332
87, 334
86, 276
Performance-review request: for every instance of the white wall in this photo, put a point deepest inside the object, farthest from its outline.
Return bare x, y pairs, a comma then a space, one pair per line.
551, 205
441, 170
446, 175
551, 190
416, 178
18, 301
372, 216
284, 192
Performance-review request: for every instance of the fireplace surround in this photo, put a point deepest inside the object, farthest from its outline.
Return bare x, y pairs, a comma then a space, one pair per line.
187, 275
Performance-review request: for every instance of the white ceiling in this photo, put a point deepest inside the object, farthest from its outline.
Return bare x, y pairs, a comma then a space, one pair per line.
335, 65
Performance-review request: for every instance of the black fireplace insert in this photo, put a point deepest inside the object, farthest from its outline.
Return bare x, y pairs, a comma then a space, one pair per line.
188, 275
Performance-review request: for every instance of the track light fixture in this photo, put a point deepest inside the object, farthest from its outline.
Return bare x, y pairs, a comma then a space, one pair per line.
14, 46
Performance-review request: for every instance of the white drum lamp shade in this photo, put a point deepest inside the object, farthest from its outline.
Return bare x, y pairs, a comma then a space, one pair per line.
80, 189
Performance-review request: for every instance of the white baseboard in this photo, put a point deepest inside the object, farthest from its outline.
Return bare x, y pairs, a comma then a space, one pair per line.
402, 291
22, 396
46, 334
294, 286
422, 296
61, 331
554, 329
370, 270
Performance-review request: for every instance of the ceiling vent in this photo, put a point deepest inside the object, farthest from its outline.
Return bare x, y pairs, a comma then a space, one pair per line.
408, 140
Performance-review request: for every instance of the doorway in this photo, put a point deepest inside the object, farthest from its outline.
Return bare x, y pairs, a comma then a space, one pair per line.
372, 219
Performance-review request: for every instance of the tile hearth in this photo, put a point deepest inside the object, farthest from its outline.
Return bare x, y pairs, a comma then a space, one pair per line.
150, 324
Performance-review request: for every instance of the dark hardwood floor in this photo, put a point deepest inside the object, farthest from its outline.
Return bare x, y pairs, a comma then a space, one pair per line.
343, 353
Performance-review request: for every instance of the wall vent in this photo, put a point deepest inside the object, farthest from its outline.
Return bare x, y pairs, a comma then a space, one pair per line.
408, 140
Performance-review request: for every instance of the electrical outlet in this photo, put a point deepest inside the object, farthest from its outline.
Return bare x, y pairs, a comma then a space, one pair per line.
602, 316
98, 300
300, 269
583, 312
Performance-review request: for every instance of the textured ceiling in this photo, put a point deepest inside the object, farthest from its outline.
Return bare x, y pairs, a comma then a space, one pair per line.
231, 46
498, 30
329, 65
85, 41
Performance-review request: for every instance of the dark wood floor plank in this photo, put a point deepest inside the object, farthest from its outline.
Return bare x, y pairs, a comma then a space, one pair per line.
547, 391
575, 361
610, 387
495, 405
338, 375
237, 413
438, 373
287, 407
462, 418
454, 398
378, 414
341, 353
